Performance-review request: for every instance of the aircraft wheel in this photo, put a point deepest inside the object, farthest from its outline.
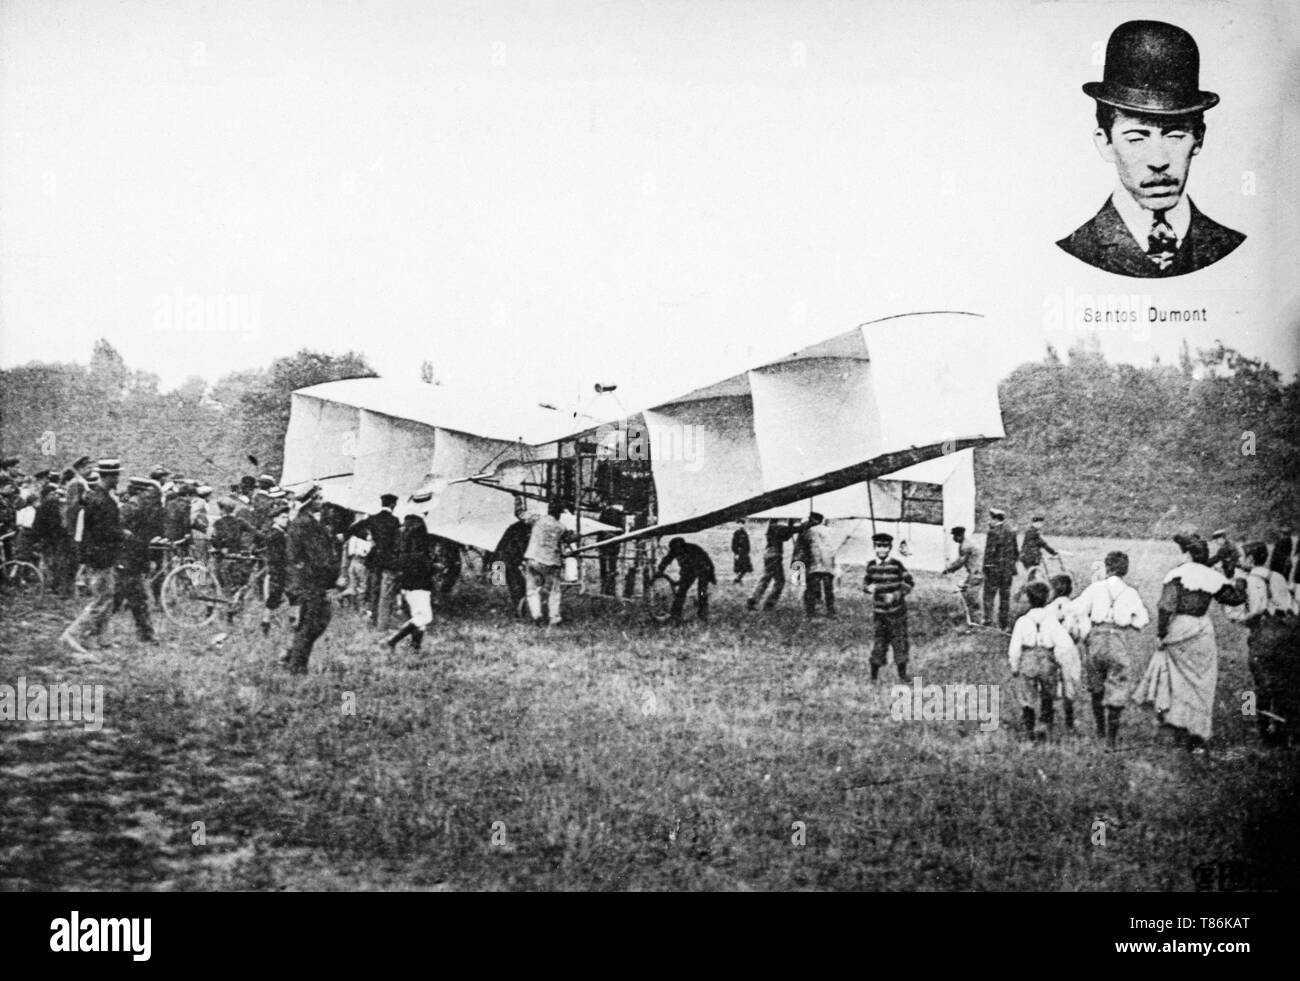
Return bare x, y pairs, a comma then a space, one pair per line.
659, 597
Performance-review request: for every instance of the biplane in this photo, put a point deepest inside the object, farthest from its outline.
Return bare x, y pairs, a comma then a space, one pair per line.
876, 424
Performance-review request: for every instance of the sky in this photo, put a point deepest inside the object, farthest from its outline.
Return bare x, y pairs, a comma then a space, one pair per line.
543, 196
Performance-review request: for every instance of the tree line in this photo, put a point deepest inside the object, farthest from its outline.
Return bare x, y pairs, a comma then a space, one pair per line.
53, 413
1120, 450
1098, 448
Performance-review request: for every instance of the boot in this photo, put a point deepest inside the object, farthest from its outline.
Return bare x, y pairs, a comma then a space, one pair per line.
1048, 715
417, 638
1099, 714
1027, 720
394, 640
902, 671
1112, 726
1068, 707
875, 671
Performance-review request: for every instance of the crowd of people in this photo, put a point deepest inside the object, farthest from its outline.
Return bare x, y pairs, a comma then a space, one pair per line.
1063, 644
113, 543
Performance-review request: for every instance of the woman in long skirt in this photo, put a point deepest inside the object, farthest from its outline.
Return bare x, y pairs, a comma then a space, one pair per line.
1181, 679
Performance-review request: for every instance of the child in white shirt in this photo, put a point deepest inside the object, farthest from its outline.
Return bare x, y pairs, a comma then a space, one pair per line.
1039, 646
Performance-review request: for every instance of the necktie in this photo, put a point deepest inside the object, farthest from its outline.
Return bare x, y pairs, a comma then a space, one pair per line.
1161, 243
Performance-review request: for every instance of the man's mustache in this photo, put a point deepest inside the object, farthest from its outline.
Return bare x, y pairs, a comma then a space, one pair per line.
1161, 182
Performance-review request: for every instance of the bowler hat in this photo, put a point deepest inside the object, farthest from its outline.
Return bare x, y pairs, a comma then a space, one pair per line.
388, 500
107, 468
1152, 68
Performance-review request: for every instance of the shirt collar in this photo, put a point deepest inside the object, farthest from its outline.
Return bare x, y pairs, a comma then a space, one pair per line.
1139, 220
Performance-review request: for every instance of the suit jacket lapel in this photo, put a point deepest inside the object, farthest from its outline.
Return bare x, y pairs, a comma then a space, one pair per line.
1120, 252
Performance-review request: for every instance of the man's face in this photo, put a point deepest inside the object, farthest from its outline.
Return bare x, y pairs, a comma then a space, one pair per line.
1151, 156
882, 552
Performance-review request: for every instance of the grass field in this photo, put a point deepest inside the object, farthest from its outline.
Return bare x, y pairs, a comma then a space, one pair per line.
753, 753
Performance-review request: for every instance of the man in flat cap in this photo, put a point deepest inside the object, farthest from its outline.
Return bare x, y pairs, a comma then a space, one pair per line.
142, 520
1150, 123
381, 561
275, 544
1000, 555
1033, 547
177, 526
101, 543
52, 538
312, 568
262, 502
820, 566
968, 563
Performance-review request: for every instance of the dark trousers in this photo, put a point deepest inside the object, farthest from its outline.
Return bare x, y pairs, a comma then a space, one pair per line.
891, 631
515, 584
820, 584
996, 586
132, 591
774, 573
274, 589
381, 595
684, 587
608, 571
59, 566
313, 617
94, 618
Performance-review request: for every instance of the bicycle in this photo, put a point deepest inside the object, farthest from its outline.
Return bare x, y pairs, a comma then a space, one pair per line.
193, 594
20, 579
172, 554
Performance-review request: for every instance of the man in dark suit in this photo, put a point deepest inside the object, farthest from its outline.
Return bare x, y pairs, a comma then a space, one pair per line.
101, 544
381, 561
510, 552
1000, 555
142, 522
694, 568
312, 568
1150, 123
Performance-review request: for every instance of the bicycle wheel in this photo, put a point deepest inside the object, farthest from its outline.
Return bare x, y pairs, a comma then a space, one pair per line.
249, 604
191, 596
659, 597
22, 580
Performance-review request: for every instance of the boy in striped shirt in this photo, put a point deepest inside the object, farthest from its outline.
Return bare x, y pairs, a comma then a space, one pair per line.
888, 582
